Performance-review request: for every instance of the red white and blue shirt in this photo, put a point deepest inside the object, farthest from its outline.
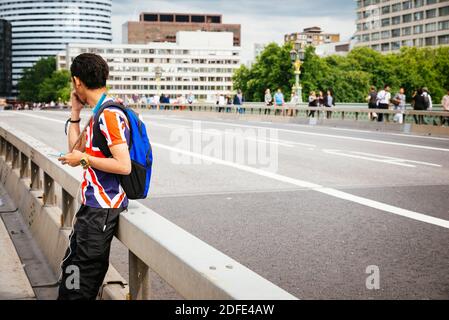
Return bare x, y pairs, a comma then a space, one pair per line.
100, 189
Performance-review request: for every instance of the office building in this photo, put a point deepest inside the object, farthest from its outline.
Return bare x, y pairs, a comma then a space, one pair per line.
201, 63
389, 25
162, 27
44, 28
313, 36
5, 59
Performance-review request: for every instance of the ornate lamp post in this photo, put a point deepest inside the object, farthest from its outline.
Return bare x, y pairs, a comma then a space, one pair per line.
297, 56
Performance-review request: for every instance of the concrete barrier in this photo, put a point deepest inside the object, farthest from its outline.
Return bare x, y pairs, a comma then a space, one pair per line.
46, 194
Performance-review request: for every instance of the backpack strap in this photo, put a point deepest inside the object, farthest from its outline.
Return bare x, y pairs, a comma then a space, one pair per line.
97, 137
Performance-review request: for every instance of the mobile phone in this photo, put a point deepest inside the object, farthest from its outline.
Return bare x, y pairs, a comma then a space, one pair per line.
56, 155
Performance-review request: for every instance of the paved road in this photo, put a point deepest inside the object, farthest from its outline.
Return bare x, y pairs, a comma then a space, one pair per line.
317, 207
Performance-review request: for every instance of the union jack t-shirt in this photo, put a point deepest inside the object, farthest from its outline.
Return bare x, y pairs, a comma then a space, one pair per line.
100, 189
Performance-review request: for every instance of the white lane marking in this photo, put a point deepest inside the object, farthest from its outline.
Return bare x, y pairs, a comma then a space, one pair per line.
316, 187
313, 134
307, 126
39, 117
378, 158
399, 159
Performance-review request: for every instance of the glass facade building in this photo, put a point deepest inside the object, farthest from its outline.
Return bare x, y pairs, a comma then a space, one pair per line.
42, 28
5, 59
388, 25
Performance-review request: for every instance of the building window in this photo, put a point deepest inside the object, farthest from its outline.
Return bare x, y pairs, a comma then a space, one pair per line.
443, 25
385, 22
385, 47
431, 27
407, 43
366, 38
418, 29
386, 34
396, 20
407, 31
167, 18
431, 13
406, 5
386, 10
182, 18
375, 36
395, 33
406, 18
443, 39
429, 2
418, 15
419, 3
150, 17
395, 45
444, 11
198, 19
396, 7
431, 41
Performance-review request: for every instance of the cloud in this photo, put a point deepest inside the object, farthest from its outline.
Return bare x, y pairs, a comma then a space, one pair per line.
262, 21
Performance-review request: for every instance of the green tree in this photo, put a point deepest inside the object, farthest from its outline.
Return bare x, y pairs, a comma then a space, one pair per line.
271, 70
55, 87
33, 77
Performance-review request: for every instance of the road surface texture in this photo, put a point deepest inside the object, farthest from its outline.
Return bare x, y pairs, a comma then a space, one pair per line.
316, 210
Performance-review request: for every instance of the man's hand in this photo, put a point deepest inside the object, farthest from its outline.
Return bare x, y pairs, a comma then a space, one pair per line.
77, 105
72, 159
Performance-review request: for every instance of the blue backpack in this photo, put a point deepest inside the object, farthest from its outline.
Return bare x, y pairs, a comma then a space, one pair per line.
137, 184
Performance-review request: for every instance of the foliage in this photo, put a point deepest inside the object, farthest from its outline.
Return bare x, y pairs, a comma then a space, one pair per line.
349, 76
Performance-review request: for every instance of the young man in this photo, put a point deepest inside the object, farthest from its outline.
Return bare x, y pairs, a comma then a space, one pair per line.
103, 198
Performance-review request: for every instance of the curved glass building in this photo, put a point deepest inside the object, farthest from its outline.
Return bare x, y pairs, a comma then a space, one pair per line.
42, 28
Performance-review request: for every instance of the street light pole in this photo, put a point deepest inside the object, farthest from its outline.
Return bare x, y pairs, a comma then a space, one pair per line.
297, 56
298, 86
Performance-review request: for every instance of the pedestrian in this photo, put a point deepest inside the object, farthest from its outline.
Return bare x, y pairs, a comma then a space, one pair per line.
313, 103
420, 104
238, 102
399, 105
268, 101
372, 102
279, 102
329, 102
103, 198
383, 100
221, 103
191, 100
445, 105
294, 102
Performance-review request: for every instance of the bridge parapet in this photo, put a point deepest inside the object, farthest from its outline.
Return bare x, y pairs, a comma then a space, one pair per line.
46, 194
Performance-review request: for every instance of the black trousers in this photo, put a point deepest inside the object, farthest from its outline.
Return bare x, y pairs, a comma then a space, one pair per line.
380, 116
87, 258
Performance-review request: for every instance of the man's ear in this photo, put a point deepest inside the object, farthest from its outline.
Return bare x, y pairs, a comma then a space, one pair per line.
76, 82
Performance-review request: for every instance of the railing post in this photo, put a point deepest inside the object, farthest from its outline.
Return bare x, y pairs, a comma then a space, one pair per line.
35, 178
2, 146
24, 172
68, 210
15, 158
49, 196
139, 279
8, 152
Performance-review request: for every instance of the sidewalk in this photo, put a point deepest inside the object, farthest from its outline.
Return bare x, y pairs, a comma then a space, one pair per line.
14, 284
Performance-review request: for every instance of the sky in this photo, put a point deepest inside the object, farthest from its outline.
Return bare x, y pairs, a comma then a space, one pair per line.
263, 21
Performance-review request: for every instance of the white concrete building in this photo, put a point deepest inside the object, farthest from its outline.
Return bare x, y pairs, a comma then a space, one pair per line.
42, 28
388, 25
201, 63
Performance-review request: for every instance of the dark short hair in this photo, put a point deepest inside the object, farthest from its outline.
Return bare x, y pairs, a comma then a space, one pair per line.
91, 69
